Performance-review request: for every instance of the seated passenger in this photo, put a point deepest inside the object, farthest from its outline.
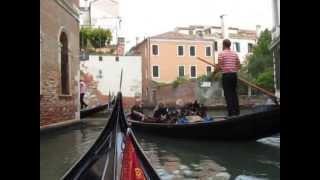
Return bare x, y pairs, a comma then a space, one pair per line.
137, 111
172, 115
160, 112
195, 106
202, 111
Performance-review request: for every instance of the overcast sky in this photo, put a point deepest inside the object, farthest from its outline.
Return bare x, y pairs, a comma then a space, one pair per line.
151, 17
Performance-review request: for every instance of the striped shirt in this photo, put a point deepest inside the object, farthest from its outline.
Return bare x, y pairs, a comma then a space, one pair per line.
228, 61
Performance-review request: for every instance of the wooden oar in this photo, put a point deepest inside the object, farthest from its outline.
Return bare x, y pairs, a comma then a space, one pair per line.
121, 79
268, 93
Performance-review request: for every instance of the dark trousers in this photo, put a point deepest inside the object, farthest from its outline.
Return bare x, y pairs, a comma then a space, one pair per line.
83, 104
229, 83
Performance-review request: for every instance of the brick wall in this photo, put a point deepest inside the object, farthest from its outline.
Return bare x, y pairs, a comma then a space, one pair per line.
54, 107
169, 94
93, 96
189, 92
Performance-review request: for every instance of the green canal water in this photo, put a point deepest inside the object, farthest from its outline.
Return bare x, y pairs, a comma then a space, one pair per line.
172, 158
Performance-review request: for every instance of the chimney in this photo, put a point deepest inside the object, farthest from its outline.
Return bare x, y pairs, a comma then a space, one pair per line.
224, 27
258, 30
137, 40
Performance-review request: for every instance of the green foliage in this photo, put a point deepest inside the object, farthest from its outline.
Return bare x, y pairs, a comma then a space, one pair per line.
266, 80
261, 59
213, 76
178, 81
202, 78
97, 37
259, 67
84, 37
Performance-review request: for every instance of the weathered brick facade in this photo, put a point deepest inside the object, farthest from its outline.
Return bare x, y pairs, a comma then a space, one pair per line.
169, 94
93, 97
56, 17
189, 91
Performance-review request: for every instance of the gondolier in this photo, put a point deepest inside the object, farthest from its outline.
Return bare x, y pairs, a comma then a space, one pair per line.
83, 88
229, 64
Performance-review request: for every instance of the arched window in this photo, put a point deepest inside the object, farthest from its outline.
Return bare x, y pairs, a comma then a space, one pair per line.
65, 89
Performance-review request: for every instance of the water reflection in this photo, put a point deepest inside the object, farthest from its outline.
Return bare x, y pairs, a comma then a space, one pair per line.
181, 159
61, 149
172, 158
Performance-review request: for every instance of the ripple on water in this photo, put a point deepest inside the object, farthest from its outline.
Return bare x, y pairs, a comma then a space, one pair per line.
164, 174
244, 177
272, 141
277, 164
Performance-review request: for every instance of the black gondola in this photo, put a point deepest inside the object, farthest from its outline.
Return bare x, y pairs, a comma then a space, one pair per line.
262, 123
104, 159
90, 111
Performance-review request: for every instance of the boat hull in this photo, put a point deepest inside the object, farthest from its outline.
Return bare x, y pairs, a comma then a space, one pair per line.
88, 112
244, 127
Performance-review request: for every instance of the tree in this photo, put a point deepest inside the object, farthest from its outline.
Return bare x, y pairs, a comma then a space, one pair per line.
261, 59
259, 67
84, 37
97, 37
266, 80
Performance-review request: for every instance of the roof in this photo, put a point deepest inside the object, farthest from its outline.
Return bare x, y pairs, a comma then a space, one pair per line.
244, 34
178, 36
184, 28
214, 27
197, 26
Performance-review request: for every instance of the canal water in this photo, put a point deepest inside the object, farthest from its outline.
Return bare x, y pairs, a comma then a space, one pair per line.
172, 158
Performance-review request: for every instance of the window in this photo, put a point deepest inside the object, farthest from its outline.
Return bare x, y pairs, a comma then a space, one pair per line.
65, 89
180, 51
236, 47
193, 72
199, 33
100, 58
181, 71
99, 74
192, 51
155, 72
250, 46
209, 70
215, 45
208, 51
190, 32
155, 50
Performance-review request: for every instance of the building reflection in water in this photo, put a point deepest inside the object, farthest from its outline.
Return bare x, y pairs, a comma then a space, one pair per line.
170, 165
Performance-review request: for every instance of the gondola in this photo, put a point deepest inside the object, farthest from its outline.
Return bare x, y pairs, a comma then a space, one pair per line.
116, 154
263, 122
90, 111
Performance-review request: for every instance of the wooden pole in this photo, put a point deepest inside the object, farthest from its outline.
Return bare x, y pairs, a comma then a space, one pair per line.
268, 93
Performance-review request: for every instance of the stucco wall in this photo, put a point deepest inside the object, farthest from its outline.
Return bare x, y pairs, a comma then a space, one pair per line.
111, 71
169, 61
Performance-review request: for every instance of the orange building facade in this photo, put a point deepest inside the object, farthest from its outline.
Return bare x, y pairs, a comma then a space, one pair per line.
167, 56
